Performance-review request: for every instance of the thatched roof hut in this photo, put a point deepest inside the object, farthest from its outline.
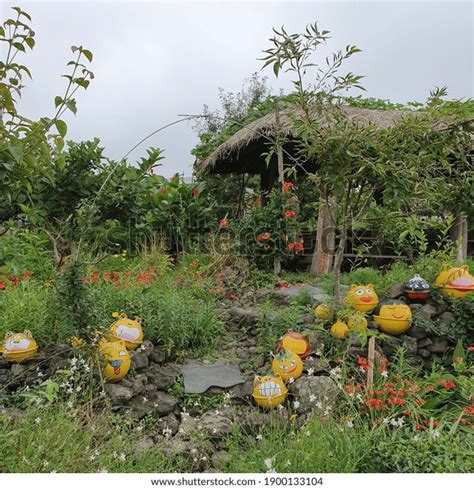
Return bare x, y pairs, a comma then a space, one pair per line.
242, 152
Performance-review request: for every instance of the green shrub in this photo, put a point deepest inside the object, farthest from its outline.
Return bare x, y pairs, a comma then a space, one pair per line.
36, 443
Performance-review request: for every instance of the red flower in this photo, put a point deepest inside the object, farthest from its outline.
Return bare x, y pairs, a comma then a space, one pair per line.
106, 276
374, 403
391, 401
233, 297
14, 280
26, 275
164, 191
263, 237
196, 192
85, 279
223, 223
469, 410
448, 384
289, 214
470, 348
2, 284
420, 402
363, 363
458, 359
287, 186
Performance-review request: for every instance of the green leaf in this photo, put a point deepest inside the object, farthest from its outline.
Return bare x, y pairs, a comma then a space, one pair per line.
58, 101
88, 55
61, 127
71, 105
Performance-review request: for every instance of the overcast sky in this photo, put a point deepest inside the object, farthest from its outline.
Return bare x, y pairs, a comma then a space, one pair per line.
154, 60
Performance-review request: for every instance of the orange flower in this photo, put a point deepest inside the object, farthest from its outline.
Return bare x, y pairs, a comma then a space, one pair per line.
289, 214
374, 403
26, 275
287, 186
448, 384
164, 191
223, 223
262, 237
196, 192
2, 284
458, 359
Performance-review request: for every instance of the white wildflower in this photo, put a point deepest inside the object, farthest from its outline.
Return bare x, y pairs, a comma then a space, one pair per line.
435, 434
296, 404
312, 398
268, 462
310, 371
291, 380
350, 423
259, 437
384, 374
38, 420
122, 457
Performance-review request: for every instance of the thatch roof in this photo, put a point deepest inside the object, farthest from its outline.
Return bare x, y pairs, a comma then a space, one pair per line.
246, 144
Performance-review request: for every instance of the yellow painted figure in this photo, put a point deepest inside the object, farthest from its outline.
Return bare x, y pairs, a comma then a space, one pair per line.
323, 312
362, 298
295, 342
455, 281
339, 330
287, 365
115, 360
358, 322
19, 347
393, 317
127, 330
269, 391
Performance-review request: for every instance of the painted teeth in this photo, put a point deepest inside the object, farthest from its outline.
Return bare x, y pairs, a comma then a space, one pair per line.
269, 389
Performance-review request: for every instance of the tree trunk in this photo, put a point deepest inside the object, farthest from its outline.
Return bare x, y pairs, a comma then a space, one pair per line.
336, 288
459, 234
323, 249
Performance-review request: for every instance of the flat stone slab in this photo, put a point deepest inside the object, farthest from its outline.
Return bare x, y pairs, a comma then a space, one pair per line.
289, 293
198, 378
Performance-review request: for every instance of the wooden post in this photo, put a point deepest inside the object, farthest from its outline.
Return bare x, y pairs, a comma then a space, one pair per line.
325, 239
459, 234
279, 150
371, 358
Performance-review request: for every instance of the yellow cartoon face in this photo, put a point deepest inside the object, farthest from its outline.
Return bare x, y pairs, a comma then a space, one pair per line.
362, 298
287, 365
115, 360
18, 347
269, 391
127, 330
358, 322
455, 281
393, 317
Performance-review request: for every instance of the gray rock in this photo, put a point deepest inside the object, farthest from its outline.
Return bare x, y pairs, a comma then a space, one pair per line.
414, 360
263, 294
169, 424
147, 347
164, 377
424, 353
246, 316
139, 360
446, 318
164, 403
158, 403
287, 295
242, 392
315, 394
5, 377
438, 345
423, 343
424, 312
118, 393
396, 290
221, 459
142, 444
410, 344
417, 332
251, 421
391, 345
157, 356
215, 425
199, 378
19, 369
137, 385
317, 365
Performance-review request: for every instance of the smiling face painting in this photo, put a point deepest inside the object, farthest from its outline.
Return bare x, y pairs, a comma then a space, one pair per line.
393, 317
129, 331
362, 298
115, 360
287, 365
19, 347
